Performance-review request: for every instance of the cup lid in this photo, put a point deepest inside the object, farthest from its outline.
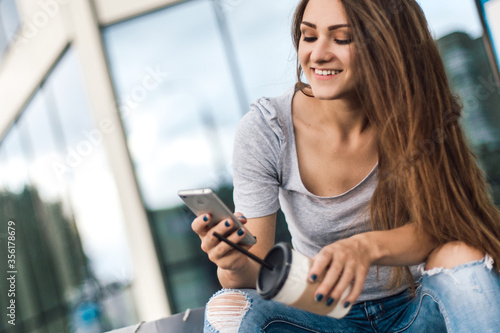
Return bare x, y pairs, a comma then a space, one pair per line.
270, 282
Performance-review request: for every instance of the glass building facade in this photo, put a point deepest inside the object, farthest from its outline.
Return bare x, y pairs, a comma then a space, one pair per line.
180, 131
9, 24
490, 16
55, 186
181, 75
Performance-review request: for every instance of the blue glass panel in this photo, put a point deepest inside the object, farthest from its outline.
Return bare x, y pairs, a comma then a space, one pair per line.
491, 13
9, 17
261, 33
9, 23
61, 192
177, 99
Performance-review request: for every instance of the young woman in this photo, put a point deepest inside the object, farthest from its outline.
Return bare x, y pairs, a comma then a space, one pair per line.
372, 170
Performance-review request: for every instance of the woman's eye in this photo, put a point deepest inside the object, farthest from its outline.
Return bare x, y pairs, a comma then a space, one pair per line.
343, 41
309, 39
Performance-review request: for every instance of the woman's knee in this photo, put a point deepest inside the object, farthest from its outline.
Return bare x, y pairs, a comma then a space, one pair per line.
226, 309
452, 254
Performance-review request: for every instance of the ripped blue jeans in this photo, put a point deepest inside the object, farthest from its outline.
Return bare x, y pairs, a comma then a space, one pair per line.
464, 299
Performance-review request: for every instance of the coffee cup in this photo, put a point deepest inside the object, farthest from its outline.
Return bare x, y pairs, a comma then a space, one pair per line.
287, 282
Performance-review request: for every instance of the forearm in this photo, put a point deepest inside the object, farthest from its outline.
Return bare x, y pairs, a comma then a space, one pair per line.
246, 275
404, 246
243, 278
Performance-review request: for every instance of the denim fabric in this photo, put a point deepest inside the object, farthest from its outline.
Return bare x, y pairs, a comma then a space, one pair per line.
463, 299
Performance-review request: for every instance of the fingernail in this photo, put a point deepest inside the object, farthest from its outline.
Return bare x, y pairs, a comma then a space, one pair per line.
205, 218
227, 224
330, 301
240, 232
346, 304
313, 277
319, 297
242, 217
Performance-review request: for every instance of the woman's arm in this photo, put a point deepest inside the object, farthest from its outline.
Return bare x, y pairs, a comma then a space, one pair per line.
348, 261
404, 246
244, 275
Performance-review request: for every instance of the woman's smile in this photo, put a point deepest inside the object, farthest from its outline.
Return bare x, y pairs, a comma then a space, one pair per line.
325, 74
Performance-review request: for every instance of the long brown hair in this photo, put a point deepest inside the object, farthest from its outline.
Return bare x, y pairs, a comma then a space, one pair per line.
427, 172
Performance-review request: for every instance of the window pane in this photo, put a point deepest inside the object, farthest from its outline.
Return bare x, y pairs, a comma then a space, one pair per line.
184, 76
458, 31
491, 11
9, 23
66, 207
16, 204
84, 168
177, 99
263, 43
10, 17
179, 107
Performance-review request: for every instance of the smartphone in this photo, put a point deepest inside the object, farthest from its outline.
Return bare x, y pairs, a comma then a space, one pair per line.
204, 200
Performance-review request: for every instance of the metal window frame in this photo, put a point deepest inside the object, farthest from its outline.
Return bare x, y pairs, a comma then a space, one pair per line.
487, 39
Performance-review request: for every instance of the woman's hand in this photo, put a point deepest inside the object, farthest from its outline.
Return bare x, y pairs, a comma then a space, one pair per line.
342, 263
220, 253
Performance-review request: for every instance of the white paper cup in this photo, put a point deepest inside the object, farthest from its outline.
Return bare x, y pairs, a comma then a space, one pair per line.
288, 283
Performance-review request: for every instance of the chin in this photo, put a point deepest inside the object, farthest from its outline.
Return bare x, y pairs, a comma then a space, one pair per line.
326, 95
332, 94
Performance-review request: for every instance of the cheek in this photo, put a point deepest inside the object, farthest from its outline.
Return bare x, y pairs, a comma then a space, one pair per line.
303, 53
345, 56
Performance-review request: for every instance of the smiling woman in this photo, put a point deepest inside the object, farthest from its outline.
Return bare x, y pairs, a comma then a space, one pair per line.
341, 156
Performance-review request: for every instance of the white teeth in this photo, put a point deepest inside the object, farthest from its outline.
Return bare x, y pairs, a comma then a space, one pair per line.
327, 72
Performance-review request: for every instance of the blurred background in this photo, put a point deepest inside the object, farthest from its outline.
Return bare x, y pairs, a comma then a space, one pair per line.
109, 107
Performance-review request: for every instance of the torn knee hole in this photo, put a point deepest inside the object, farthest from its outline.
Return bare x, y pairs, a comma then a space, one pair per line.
487, 262
451, 255
226, 310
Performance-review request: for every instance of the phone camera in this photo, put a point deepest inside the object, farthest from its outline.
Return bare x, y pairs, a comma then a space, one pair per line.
201, 201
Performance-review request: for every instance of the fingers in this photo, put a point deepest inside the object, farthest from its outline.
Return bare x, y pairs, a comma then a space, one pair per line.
240, 217
357, 286
222, 254
341, 270
200, 225
219, 249
324, 262
225, 228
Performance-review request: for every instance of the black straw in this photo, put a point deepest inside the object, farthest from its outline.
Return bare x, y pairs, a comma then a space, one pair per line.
245, 252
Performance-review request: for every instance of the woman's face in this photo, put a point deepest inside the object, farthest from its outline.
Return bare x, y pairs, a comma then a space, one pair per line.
325, 49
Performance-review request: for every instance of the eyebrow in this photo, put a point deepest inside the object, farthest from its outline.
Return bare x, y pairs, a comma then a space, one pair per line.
330, 28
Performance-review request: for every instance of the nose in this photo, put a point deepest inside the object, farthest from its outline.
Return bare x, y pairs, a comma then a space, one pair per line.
322, 51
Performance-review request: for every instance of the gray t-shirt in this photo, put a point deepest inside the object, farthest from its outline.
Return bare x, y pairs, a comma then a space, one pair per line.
266, 177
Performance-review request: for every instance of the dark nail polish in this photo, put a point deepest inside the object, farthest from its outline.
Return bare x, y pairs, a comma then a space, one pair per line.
330, 301
242, 217
240, 232
319, 297
227, 224
205, 218
314, 277
346, 304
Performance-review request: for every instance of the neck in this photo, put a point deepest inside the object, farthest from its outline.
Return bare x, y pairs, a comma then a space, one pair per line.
343, 116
